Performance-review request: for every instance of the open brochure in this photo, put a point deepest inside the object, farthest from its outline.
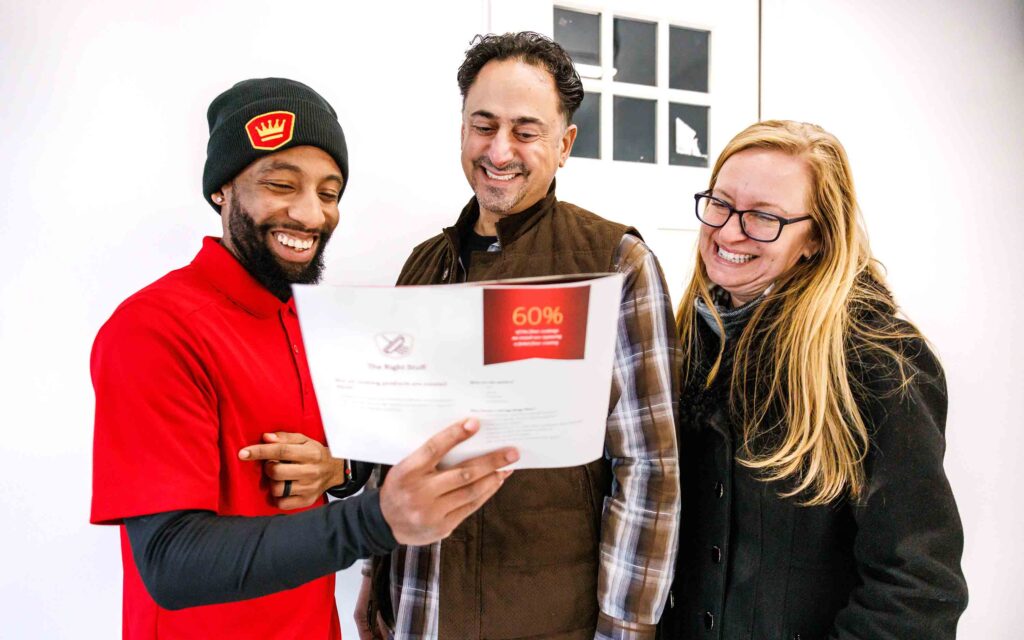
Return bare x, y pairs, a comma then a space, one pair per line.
530, 358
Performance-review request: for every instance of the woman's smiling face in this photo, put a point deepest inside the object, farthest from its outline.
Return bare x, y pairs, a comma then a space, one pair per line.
769, 181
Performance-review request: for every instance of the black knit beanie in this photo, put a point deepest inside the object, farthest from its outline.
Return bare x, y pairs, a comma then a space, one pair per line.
258, 117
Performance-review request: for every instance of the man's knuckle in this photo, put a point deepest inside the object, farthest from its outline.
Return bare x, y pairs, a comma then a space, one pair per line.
412, 521
432, 448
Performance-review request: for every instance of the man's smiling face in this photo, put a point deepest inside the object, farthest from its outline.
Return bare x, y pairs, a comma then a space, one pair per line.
279, 215
514, 136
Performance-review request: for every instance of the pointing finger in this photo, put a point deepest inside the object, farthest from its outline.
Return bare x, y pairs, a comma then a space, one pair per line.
282, 452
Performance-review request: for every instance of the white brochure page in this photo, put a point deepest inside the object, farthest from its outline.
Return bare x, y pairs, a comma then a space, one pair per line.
531, 360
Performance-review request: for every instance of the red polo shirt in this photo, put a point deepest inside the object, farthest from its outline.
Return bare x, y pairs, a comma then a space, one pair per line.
188, 371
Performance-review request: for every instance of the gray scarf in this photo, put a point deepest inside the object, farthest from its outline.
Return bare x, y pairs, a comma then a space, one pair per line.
732, 319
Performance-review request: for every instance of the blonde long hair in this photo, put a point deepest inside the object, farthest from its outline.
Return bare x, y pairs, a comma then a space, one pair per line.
799, 376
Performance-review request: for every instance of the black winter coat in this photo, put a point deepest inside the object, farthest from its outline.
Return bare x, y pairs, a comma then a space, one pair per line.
754, 566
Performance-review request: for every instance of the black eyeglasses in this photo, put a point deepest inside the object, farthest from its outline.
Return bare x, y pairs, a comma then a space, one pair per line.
756, 225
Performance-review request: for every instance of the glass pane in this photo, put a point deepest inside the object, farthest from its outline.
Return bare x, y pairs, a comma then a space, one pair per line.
636, 45
588, 123
634, 129
688, 59
580, 34
687, 135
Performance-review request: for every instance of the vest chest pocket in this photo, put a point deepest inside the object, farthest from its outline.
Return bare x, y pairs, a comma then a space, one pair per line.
543, 517
536, 490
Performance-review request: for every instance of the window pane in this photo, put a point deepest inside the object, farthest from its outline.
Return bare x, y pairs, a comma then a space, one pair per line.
688, 59
634, 129
580, 35
588, 123
636, 45
688, 135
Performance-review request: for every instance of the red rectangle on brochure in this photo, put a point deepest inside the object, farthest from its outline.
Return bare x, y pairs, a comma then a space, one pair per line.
535, 322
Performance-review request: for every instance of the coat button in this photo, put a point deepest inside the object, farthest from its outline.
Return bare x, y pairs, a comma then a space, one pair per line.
709, 621
716, 554
719, 489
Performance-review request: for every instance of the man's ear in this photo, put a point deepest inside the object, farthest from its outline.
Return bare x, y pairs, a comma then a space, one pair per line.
224, 193
221, 198
568, 138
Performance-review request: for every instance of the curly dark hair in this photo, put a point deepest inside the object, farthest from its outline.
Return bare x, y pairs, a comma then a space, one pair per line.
529, 47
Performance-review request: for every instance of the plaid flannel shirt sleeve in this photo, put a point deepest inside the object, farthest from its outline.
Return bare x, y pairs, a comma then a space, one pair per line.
641, 518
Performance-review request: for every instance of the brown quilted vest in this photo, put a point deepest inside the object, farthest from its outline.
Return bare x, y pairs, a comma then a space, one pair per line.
525, 565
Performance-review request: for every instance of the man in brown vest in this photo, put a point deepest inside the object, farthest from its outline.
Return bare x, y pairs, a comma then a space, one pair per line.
573, 553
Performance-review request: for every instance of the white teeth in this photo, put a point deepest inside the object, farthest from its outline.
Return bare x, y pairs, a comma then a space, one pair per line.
737, 258
294, 243
504, 178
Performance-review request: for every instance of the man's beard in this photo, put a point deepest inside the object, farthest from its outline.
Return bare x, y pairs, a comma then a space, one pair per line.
250, 245
496, 199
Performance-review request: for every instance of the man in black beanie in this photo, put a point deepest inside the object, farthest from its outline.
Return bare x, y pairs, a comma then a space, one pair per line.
279, 119
194, 368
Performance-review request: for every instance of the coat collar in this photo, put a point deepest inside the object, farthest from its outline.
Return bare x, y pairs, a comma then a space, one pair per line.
510, 228
221, 269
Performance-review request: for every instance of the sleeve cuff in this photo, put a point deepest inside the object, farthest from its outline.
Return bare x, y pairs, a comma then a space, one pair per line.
609, 628
378, 530
356, 475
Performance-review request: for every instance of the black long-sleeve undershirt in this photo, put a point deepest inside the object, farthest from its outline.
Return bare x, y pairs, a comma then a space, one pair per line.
191, 558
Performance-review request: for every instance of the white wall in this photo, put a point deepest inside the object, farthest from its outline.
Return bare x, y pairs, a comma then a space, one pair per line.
928, 98
104, 136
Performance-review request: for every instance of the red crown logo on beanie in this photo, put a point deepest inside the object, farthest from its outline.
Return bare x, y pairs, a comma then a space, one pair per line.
237, 139
271, 130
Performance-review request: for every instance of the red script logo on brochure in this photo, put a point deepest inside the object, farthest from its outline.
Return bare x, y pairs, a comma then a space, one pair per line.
534, 322
394, 345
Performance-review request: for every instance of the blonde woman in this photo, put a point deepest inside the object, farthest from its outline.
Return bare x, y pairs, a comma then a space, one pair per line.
815, 504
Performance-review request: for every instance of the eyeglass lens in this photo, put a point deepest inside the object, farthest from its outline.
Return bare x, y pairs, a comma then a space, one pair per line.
756, 226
